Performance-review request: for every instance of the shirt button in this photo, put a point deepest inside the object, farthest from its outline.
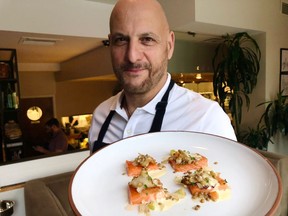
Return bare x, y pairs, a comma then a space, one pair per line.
129, 132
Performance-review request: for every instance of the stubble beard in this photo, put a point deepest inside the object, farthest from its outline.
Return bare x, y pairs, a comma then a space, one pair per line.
155, 74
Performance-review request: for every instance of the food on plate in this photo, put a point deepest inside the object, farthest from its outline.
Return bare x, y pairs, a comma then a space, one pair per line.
205, 184
143, 189
183, 160
146, 162
150, 195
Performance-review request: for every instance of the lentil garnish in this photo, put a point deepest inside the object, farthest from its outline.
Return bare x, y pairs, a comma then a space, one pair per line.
197, 207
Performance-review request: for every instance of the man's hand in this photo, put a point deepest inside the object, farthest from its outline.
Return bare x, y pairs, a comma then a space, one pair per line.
41, 149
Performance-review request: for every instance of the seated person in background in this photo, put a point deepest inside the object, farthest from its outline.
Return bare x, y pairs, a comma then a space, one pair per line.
58, 142
141, 43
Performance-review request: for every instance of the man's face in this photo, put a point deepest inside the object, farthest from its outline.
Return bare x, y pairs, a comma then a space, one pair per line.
49, 130
140, 49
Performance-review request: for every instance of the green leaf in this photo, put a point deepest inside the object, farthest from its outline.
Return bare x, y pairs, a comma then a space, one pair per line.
236, 64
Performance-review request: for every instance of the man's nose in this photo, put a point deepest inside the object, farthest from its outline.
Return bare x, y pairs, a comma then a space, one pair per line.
135, 51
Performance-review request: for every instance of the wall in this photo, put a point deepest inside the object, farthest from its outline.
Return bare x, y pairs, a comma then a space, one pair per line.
62, 17
93, 63
188, 55
71, 98
81, 97
35, 84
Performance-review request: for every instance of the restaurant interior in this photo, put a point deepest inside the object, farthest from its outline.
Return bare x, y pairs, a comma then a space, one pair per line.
194, 73
64, 71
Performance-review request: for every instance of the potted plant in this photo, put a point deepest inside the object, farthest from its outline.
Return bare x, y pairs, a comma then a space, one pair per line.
273, 120
276, 115
255, 138
236, 67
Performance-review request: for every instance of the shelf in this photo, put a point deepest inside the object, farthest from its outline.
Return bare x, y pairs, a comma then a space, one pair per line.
8, 110
9, 104
14, 144
11, 141
8, 80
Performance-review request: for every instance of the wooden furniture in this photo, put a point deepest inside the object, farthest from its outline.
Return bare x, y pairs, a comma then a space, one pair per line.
48, 196
10, 136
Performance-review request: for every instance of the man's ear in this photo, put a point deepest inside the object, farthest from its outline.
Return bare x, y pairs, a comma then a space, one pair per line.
171, 44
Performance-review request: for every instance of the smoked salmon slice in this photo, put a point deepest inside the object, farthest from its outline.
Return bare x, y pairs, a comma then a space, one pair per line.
145, 196
135, 170
205, 184
144, 189
183, 161
146, 162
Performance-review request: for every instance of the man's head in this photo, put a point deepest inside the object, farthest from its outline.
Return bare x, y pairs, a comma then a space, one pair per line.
141, 44
52, 125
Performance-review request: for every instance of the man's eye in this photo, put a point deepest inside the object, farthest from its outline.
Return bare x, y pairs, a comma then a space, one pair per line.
148, 40
119, 41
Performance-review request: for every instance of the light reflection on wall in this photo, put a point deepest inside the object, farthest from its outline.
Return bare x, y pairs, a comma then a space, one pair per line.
204, 88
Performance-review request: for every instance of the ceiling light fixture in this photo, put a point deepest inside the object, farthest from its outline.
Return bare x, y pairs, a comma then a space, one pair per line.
39, 41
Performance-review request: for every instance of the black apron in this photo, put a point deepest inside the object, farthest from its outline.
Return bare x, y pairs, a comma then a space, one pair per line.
156, 124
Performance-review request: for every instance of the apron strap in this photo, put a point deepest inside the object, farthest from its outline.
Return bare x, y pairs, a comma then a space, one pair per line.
160, 110
103, 130
156, 125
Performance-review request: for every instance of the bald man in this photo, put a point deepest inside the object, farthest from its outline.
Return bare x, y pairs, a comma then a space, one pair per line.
141, 44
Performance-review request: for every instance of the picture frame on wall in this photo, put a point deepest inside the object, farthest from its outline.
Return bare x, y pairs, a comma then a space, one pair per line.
284, 83
284, 60
284, 71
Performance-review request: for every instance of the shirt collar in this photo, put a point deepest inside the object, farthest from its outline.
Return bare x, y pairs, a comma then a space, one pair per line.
149, 107
117, 103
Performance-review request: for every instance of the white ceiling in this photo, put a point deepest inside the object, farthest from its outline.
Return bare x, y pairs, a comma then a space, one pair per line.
65, 48
68, 47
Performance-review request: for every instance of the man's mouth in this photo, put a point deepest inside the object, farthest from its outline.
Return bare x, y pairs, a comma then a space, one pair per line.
135, 67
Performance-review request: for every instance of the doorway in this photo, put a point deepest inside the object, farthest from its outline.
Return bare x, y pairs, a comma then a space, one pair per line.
34, 113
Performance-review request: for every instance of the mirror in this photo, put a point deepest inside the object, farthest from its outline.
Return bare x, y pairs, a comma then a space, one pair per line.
184, 67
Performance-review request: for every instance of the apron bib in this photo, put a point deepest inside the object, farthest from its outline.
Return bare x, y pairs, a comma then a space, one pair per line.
156, 124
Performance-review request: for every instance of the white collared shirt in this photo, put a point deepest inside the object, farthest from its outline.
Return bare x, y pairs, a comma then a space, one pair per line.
186, 111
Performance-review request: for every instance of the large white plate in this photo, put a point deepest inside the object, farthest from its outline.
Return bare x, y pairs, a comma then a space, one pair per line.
99, 186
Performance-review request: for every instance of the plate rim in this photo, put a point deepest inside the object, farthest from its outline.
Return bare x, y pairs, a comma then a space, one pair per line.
271, 212
277, 201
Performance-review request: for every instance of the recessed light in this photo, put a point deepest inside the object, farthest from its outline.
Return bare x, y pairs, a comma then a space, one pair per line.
39, 41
